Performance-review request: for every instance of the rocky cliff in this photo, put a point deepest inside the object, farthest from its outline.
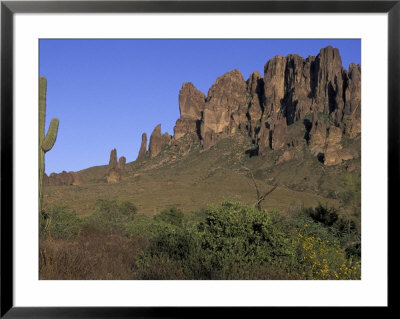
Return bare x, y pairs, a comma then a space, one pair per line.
317, 93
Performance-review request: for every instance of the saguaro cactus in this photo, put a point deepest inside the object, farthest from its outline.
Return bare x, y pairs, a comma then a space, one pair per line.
47, 141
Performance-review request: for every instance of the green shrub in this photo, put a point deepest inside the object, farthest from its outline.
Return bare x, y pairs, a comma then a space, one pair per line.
59, 222
112, 216
237, 236
323, 214
171, 216
142, 226
231, 243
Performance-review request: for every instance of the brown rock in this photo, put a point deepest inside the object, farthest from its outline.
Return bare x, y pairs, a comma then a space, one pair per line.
155, 142
191, 102
278, 133
264, 142
191, 107
166, 139
328, 92
294, 86
78, 180
317, 135
332, 155
255, 88
60, 179
45, 179
113, 176
351, 120
209, 139
226, 106
113, 159
274, 84
121, 163
335, 155
297, 101
143, 147
285, 157
114, 173
184, 126
334, 135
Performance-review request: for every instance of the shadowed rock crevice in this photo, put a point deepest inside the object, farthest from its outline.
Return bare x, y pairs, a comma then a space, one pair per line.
308, 125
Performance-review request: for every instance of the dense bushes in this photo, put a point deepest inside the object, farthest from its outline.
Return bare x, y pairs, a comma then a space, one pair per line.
236, 237
240, 242
59, 222
230, 241
112, 216
171, 216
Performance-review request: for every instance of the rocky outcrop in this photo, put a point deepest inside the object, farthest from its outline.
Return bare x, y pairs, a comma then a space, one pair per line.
121, 163
317, 134
191, 107
316, 92
255, 88
166, 140
61, 179
114, 173
113, 159
78, 180
184, 126
155, 142
143, 147
226, 107
351, 119
335, 155
113, 176
191, 102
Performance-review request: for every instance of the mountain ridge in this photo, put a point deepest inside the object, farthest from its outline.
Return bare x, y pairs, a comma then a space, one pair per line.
302, 111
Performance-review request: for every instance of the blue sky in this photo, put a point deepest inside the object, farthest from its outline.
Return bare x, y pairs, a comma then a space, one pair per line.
106, 93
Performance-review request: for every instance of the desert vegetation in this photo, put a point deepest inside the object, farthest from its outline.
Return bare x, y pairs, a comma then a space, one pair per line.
260, 180
226, 241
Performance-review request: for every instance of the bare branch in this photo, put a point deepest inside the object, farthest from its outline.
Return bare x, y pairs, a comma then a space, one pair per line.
254, 181
260, 199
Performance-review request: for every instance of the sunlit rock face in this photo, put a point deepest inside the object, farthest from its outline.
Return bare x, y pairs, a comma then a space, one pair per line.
315, 93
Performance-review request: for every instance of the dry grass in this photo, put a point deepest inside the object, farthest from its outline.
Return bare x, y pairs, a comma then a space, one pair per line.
201, 178
93, 255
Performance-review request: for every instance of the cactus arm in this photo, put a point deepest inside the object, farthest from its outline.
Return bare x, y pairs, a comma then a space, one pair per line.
51, 135
42, 107
47, 141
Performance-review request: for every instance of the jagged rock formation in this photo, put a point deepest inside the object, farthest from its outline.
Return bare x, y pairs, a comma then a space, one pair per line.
114, 173
191, 107
63, 178
143, 147
113, 159
255, 87
166, 140
121, 163
225, 109
316, 92
155, 142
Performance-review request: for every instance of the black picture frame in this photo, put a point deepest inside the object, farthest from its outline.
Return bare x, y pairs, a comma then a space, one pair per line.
9, 8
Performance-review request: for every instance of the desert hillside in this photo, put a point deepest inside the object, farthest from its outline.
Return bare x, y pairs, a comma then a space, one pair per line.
297, 128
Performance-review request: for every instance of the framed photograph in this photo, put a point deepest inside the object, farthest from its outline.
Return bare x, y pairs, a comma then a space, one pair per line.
165, 157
